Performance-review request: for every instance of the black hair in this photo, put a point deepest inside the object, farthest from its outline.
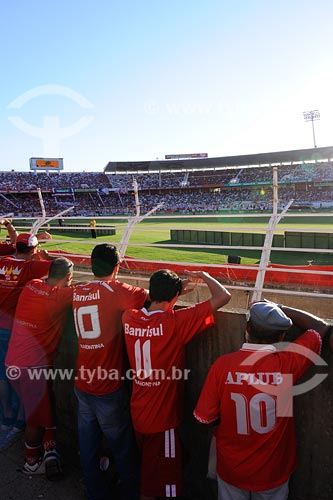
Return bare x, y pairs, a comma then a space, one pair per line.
22, 247
164, 285
263, 336
60, 267
104, 258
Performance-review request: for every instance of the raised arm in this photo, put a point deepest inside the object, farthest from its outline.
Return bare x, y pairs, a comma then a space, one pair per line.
43, 255
43, 236
305, 320
219, 295
12, 233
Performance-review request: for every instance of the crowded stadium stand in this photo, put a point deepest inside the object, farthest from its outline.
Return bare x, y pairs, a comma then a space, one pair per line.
205, 185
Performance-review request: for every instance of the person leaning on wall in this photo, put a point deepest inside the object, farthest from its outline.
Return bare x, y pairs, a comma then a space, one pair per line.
248, 394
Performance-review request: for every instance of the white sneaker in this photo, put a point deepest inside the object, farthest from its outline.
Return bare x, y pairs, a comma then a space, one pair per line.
53, 467
34, 469
104, 463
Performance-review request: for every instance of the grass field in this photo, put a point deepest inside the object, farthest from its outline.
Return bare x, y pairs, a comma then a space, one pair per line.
156, 231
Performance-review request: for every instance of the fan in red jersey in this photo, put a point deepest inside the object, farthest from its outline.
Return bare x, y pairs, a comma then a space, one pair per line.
155, 339
249, 392
39, 322
8, 247
15, 271
103, 399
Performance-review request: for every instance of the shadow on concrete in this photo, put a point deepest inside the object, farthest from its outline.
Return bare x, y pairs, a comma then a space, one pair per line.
16, 486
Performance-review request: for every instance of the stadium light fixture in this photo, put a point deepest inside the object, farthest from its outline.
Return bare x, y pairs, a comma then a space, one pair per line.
311, 116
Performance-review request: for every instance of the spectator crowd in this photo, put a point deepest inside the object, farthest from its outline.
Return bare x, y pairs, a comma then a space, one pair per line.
199, 191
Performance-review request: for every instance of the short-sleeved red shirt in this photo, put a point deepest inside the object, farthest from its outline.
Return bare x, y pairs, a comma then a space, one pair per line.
39, 321
155, 347
14, 274
249, 390
97, 308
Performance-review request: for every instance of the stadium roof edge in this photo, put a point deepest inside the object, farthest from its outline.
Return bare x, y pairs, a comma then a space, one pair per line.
279, 157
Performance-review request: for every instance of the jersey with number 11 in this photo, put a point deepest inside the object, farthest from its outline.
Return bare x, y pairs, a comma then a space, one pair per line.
155, 346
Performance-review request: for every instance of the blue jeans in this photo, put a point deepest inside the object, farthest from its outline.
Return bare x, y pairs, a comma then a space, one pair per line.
107, 415
9, 400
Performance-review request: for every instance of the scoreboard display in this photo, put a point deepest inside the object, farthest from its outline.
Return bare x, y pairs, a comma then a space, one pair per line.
46, 164
186, 156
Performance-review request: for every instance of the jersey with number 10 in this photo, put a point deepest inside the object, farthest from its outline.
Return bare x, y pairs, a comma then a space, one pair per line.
251, 391
97, 308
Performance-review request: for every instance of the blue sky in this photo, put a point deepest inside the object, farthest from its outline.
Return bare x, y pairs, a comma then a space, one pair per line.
108, 80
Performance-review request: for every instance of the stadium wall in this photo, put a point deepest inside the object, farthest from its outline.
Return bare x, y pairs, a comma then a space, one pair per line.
313, 479
290, 239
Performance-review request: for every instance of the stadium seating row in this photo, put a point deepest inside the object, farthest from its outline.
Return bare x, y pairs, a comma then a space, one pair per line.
205, 191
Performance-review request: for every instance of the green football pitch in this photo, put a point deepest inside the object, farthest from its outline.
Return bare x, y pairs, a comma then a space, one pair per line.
149, 236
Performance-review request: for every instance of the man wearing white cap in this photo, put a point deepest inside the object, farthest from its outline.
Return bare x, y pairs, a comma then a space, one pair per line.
249, 394
8, 247
15, 271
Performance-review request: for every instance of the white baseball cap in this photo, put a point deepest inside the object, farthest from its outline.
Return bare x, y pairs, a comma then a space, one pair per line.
30, 240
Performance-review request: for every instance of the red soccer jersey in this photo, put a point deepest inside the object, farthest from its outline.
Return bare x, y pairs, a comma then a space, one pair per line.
39, 320
97, 308
249, 391
14, 274
7, 249
155, 347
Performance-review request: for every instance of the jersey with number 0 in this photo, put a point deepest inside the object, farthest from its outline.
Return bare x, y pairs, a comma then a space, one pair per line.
39, 321
251, 392
155, 346
97, 308
14, 274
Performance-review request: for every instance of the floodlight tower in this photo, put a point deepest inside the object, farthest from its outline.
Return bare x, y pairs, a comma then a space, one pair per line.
311, 116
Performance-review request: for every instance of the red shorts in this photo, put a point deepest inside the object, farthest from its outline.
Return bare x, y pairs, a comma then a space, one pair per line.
161, 464
37, 398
